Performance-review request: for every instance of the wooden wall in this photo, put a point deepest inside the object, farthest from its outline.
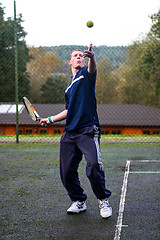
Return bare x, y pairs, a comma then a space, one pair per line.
6, 129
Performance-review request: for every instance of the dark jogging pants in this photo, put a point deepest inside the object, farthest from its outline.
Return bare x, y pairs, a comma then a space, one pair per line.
74, 144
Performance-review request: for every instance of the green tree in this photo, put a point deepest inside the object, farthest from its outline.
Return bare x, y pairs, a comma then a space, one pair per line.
132, 86
7, 63
149, 63
41, 67
149, 68
139, 76
155, 29
105, 84
53, 91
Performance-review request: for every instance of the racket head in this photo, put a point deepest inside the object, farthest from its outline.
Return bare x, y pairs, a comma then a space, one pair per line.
30, 109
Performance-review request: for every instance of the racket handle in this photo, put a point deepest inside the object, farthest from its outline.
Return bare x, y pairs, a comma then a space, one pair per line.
44, 124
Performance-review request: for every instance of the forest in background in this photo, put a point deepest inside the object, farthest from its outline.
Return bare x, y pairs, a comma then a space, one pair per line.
126, 74
116, 55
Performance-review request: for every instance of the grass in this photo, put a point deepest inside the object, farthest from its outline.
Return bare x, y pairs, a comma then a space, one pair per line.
122, 139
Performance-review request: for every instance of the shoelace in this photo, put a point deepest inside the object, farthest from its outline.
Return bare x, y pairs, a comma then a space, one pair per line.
104, 204
80, 205
77, 204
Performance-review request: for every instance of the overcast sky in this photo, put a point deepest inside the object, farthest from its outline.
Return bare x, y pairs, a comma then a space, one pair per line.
63, 22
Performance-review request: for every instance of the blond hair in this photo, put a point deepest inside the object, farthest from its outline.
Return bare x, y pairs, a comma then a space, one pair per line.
74, 51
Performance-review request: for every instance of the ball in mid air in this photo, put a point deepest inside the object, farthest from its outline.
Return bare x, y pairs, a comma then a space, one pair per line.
89, 24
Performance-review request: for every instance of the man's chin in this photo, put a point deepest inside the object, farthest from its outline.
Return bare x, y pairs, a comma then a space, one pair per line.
78, 67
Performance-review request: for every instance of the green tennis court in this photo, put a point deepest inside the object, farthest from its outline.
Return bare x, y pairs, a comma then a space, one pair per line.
34, 202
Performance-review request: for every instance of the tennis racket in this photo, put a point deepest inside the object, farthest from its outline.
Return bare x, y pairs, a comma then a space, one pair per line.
31, 110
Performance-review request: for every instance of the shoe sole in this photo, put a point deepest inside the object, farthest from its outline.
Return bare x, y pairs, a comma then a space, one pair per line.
106, 217
81, 211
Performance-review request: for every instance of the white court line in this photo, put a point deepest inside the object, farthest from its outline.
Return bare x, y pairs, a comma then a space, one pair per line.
119, 224
122, 203
139, 172
122, 225
145, 161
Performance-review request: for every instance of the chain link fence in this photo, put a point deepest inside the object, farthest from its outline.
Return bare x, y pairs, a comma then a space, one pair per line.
127, 87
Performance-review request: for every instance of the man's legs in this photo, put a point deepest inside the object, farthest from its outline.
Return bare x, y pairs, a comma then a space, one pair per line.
70, 157
89, 145
85, 141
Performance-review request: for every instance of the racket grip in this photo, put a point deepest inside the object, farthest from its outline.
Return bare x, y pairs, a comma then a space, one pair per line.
44, 124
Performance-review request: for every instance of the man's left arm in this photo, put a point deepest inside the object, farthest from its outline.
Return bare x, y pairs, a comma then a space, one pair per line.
92, 61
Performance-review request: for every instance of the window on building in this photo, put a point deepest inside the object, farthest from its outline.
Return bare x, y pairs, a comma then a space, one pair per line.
155, 132
11, 108
146, 132
20, 131
57, 131
116, 132
42, 131
28, 131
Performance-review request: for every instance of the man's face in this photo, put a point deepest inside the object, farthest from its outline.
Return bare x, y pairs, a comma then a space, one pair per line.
77, 60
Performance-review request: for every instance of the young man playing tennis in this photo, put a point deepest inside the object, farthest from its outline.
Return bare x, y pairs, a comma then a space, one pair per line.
82, 135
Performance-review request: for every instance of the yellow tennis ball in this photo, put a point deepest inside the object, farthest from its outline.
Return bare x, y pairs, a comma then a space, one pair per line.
89, 24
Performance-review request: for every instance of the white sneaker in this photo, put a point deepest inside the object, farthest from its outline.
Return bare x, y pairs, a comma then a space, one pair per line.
77, 207
105, 208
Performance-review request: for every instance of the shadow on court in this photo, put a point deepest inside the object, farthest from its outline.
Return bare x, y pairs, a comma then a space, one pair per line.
33, 201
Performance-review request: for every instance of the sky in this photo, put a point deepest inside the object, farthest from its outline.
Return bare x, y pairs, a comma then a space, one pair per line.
63, 22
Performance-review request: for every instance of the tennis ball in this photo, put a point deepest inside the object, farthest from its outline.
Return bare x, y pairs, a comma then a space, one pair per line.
89, 24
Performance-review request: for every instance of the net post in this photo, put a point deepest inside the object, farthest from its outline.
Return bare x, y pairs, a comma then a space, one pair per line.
16, 72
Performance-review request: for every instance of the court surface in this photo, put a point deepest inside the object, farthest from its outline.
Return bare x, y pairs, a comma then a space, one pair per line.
33, 201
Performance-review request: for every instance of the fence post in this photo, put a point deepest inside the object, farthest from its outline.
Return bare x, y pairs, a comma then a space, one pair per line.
16, 73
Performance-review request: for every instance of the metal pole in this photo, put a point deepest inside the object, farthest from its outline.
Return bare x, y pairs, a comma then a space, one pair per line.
16, 72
